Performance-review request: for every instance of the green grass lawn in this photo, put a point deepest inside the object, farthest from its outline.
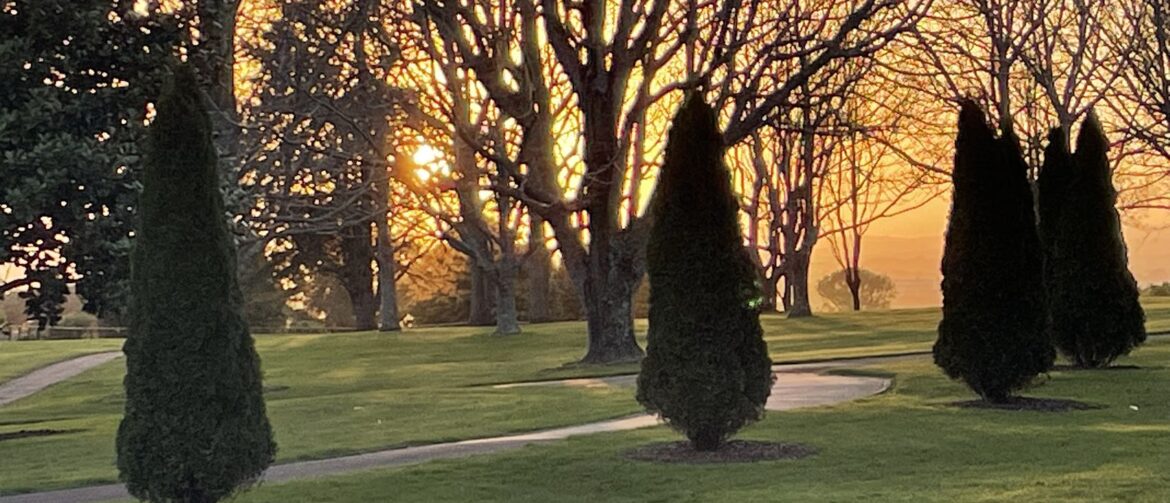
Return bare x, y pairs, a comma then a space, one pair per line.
21, 357
904, 445
330, 395
347, 393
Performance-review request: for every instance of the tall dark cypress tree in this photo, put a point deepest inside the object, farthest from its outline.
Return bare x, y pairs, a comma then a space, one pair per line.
1053, 186
706, 370
1096, 316
195, 427
992, 335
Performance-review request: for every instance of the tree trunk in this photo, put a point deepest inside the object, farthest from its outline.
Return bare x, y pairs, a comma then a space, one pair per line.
786, 297
606, 293
769, 289
216, 64
610, 321
796, 279
853, 280
364, 308
483, 298
538, 153
539, 274
380, 176
357, 276
387, 291
611, 264
507, 320
506, 267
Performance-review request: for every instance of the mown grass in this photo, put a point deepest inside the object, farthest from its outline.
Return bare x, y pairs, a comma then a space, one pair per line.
21, 357
904, 445
347, 393
327, 395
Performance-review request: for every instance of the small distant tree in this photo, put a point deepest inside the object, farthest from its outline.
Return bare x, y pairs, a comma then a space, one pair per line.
195, 427
868, 290
1157, 290
1096, 316
706, 370
992, 335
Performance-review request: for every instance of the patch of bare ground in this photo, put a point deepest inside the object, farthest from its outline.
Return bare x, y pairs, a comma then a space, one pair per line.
1028, 404
734, 451
1074, 368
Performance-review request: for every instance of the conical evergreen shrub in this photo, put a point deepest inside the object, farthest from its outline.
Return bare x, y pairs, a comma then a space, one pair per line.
992, 335
706, 372
1096, 316
195, 427
1052, 188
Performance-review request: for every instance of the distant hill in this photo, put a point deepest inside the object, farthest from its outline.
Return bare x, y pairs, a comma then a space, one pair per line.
913, 263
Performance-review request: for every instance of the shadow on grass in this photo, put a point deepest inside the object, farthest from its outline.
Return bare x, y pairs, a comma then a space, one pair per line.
35, 433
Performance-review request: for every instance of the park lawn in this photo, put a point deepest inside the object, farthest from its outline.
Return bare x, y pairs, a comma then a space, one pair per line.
341, 394
21, 357
328, 395
904, 445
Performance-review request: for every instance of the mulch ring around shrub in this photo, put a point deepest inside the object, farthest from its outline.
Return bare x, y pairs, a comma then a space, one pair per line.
1074, 368
734, 451
1029, 404
33, 433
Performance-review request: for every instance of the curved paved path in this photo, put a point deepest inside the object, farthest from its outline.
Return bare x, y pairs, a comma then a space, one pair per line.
793, 389
781, 368
44, 377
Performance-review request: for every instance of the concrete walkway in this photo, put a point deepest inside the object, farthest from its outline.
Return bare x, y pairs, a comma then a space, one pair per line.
792, 390
44, 377
783, 368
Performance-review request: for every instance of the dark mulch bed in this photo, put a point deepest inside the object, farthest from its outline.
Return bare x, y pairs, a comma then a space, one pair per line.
1073, 368
734, 451
1030, 404
33, 433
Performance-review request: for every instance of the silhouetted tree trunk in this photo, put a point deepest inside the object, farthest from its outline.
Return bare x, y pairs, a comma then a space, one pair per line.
769, 289
538, 154
796, 280
507, 267
507, 319
387, 270
482, 297
614, 264
215, 62
853, 281
539, 274
357, 276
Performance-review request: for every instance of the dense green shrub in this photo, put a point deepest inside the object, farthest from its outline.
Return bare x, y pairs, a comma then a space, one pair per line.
992, 335
195, 427
1094, 308
706, 372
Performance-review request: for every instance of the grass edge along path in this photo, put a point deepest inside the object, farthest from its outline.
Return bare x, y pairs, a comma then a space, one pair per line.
794, 390
907, 445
